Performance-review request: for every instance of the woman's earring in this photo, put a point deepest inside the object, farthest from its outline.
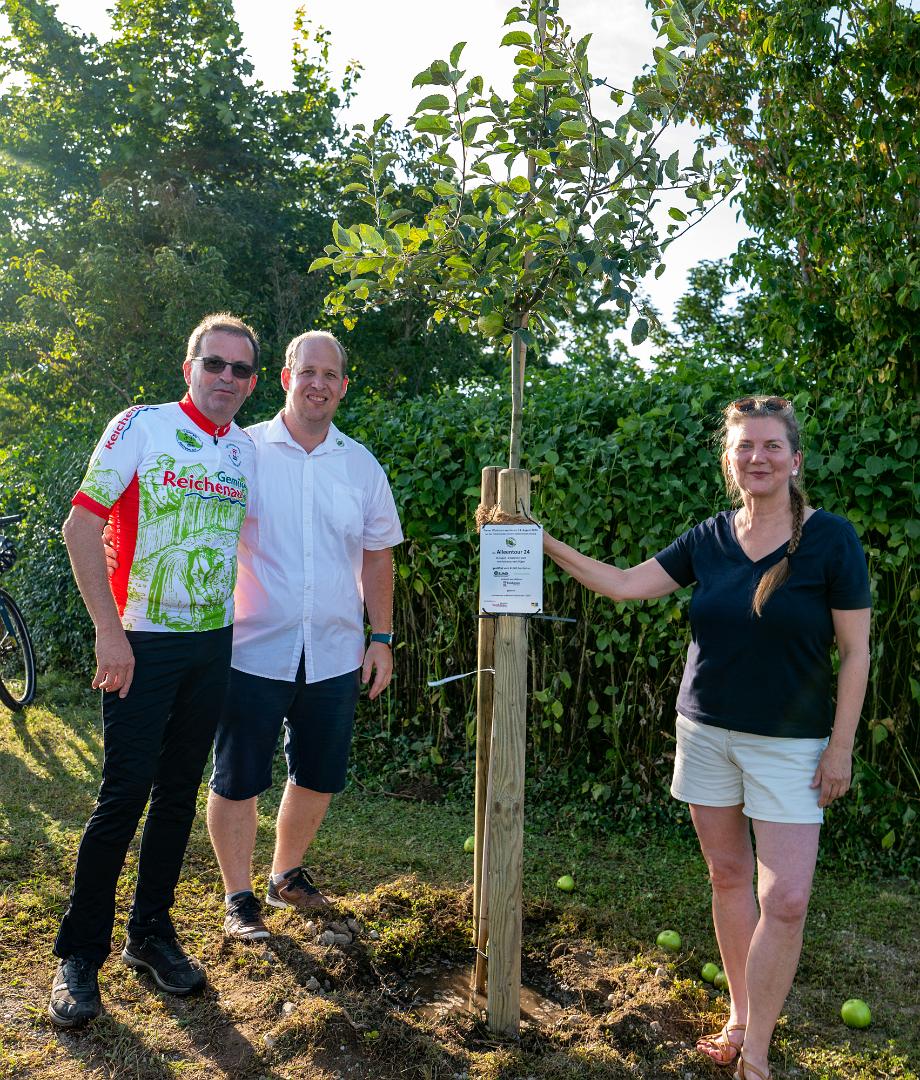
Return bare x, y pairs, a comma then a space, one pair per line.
795, 472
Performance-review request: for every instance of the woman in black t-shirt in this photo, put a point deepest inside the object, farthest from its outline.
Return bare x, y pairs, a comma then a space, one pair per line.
759, 744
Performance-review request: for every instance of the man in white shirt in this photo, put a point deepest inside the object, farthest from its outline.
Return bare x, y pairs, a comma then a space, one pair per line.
315, 551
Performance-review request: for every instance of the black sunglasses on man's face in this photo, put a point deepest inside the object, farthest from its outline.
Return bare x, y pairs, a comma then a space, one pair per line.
216, 364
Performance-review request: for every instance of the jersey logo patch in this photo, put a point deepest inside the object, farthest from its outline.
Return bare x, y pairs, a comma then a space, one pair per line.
234, 453
188, 440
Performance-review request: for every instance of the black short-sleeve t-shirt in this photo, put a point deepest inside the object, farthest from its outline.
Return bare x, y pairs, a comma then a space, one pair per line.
767, 674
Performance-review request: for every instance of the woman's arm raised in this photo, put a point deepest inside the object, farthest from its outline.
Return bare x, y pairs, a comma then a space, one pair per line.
647, 581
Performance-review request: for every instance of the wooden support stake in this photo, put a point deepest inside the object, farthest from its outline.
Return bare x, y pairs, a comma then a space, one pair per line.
481, 968
506, 806
484, 693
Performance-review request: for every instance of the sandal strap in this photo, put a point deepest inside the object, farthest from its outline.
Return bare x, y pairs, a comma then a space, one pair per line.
719, 1047
719, 1039
743, 1069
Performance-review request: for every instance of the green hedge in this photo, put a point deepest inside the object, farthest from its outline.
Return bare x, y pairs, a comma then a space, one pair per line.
622, 463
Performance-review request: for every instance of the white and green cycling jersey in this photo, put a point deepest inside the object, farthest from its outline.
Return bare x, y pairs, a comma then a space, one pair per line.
175, 488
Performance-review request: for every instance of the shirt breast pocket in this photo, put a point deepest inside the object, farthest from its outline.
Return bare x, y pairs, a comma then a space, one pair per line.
348, 511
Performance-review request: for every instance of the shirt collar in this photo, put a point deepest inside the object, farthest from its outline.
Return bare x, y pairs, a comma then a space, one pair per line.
195, 414
332, 444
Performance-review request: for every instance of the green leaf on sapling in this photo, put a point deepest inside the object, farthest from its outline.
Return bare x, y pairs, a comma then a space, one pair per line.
434, 124
433, 101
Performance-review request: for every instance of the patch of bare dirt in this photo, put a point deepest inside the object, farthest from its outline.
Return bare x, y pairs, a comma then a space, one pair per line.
387, 997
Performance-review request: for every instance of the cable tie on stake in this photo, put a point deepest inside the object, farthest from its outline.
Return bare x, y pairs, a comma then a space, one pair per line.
465, 675
524, 615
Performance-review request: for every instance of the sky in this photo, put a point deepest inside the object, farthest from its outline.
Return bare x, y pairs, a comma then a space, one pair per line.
393, 41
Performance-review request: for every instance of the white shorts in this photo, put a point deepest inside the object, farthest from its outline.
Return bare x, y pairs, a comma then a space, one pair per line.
769, 777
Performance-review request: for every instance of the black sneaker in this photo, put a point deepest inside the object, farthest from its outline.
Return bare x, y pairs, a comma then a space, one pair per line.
75, 993
296, 890
165, 960
244, 919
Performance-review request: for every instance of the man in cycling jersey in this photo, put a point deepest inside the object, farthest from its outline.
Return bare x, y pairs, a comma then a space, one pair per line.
175, 480
315, 551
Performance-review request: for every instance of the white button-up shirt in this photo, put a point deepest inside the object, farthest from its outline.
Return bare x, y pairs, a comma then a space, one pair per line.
309, 520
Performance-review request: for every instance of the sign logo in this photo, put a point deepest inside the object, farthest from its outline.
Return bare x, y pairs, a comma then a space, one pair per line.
510, 541
233, 452
188, 440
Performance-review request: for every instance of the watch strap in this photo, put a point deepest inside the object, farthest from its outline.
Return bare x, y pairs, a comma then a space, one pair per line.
384, 639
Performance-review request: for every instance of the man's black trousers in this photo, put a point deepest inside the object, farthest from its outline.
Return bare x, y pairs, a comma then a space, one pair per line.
156, 743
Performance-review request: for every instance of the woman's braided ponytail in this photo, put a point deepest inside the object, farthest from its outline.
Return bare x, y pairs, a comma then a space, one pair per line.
778, 575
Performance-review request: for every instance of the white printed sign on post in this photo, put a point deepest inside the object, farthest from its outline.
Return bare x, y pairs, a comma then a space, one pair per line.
511, 569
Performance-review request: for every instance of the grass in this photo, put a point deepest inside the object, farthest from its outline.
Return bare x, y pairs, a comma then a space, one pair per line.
613, 1004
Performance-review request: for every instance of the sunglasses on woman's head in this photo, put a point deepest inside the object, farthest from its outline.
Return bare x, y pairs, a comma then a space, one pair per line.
752, 404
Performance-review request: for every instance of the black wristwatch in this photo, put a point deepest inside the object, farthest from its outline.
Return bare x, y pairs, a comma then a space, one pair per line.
384, 639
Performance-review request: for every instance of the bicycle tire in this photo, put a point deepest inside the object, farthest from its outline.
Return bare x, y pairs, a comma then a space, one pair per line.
17, 656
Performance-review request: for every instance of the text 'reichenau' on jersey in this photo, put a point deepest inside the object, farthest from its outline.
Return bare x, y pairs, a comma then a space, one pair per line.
175, 487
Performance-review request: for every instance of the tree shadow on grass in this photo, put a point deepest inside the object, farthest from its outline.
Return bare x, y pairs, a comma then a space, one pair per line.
208, 1040
44, 752
37, 811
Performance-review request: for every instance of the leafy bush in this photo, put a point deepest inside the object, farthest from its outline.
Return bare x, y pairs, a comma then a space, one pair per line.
623, 463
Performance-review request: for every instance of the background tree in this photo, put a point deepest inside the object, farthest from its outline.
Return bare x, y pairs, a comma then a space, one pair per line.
718, 323
148, 179
819, 104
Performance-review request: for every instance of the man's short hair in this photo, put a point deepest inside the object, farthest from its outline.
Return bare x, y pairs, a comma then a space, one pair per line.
316, 335
229, 324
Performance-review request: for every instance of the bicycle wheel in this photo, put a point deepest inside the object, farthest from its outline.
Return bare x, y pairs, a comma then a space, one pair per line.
17, 658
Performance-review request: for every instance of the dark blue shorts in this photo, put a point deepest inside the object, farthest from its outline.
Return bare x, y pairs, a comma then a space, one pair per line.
318, 720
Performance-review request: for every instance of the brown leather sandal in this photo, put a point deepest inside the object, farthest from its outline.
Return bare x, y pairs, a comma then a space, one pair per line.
748, 1072
720, 1042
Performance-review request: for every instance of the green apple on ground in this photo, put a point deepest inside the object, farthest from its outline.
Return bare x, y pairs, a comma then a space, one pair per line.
709, 972
469, 844
855, 1013
720, 982
566, 883
668, 939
